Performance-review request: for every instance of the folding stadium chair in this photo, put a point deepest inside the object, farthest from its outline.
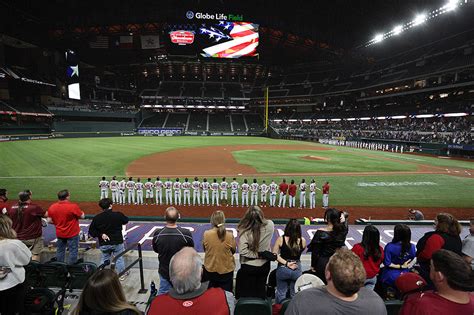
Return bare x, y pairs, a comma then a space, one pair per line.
253, 306
40, 301
79, 274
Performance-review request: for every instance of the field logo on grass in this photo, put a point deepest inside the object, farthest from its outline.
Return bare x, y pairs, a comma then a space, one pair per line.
392, 184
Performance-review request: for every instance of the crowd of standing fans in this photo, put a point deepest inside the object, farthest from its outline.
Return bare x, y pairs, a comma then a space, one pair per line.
435, 276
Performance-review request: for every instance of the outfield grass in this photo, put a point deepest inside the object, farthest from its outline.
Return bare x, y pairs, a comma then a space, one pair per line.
86, 159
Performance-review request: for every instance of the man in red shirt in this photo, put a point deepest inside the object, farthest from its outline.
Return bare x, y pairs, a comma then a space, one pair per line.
453, 280
326, 195
3, 200
283, 191
65, 215
292, 192
26, 217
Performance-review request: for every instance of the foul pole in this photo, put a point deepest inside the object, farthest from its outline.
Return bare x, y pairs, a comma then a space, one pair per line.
266, 110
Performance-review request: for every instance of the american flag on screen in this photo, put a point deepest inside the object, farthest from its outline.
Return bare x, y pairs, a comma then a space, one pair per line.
230, 39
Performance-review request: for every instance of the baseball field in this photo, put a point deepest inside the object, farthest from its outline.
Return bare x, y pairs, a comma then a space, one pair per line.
359, 178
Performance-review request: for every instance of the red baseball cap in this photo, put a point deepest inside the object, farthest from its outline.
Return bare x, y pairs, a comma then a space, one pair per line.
410, 282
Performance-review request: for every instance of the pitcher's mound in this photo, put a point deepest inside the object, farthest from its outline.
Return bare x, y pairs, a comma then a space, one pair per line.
315, 158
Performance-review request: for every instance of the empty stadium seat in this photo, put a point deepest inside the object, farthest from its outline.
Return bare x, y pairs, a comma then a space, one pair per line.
79, 274
252, 306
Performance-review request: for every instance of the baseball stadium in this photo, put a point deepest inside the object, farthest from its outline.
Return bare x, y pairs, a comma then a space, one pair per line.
175, 115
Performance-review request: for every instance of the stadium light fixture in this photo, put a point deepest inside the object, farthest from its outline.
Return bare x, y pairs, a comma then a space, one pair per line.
201, 106
450, 6
306, 120
424, 116
292, 120
397, 30
455, 115
364, 118
336, 119
241, 107
419, 19
398, 117
378, 38
350, 119
381, 118
232, 107
320, 120
277, 120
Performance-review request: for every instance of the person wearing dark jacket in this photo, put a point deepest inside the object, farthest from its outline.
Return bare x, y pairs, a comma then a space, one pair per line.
327, 240
107, 227
445, 236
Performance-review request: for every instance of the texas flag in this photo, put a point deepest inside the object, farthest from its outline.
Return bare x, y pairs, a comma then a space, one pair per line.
126, 41
230, 39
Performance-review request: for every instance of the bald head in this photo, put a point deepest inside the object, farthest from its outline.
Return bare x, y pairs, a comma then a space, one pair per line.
186, 270
171, 215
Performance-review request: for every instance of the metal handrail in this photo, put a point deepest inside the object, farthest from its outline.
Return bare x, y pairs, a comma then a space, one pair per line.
139, 260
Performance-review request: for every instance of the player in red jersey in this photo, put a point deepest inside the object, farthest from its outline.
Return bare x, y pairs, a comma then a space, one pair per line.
326, 195
292, 192
283, 191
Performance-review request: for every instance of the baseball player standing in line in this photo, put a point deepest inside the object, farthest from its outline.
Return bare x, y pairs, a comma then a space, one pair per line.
223, 187
263, 194
168, 193
245, 193
131, 191
121, 191
159, 191
139, 188
234, 194
196, 193
149, 192
215, 192
186, 192
312, 194
273, 192
205, 191
283, 191
292, 193
114, 189
104, 188
326, 195
254, 190
303, 194
177, 192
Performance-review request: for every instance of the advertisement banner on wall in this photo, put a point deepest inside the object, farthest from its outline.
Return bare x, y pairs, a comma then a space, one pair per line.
160, 131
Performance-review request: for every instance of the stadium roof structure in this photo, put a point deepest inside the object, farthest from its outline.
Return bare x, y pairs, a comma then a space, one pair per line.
290, 31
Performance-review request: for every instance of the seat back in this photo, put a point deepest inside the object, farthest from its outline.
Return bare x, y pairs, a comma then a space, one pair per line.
393, 306
53, 274
32, 274
80, 273
252, 306
284, 306
39, 301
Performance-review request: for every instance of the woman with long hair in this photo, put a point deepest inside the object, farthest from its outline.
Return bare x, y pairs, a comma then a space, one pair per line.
219, 248
399, 253
445, 236
14, 255
255, 236
327, 240
103, 294
288, 248
370, 253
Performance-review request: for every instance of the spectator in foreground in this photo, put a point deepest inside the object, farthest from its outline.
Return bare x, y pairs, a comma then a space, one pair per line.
27, 223
468, 245
103, 294
167, 242
65, 216
188, 295
288, 248
453, 279
399, 253
344, 294
107, 227
370, 253
255, 236
327, 240
415, 215
13, 256
219, 248
3, 200
445, 236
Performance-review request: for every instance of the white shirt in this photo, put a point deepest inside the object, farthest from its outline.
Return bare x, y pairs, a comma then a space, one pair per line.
130, 185
103, 184
224, 185
254, 187
214, 186
113, 184
149, 186
168, 185
205, 186
303, 187
196, 184
14, 255
122, 184
186, 186
177, 186
245, 187
264, 188
139, 186
234, 186
273, 188
312, 187
158, 185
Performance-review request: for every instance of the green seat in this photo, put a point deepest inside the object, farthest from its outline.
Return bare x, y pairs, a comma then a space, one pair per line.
53, 275
80, 273
393, 306
284, 306
32, 274
40, 301
252, 306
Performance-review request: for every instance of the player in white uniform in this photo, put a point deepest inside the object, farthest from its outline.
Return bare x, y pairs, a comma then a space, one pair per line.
234, 193
263, 193
205, 191
215, 192
104, 188
131, 191
196, 192
312, 194
121, 191
114, 189
224, 185
186, 192
159, 191
273, 191
168, 193
139, 187
245, 193
149, 192
303, 193
254, 193
177, 192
